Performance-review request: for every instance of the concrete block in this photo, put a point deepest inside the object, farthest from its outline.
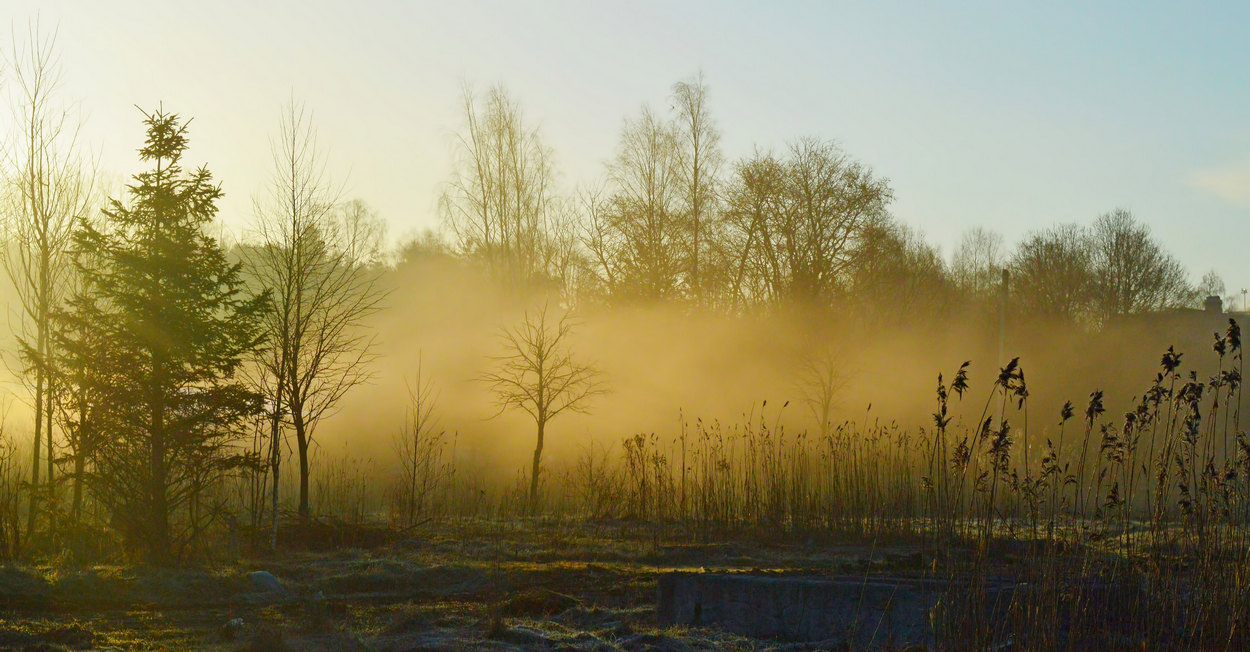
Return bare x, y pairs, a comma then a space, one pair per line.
859, 612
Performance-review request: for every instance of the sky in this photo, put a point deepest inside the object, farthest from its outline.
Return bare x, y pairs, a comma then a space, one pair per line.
1008, 115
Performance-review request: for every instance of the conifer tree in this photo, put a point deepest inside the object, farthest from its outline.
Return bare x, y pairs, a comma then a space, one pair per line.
156, 335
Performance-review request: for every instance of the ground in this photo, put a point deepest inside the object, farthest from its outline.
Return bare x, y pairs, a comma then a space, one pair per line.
480, 585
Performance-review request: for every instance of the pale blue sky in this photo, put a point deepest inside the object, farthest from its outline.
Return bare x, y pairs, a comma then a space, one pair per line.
1011, 115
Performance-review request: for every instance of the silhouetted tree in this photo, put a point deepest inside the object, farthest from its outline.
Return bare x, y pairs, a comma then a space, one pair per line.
87, 380
47, 188
1132, 272
538, 374
1052, 273
318, 258
800, 222
165, 324
754, 198
500, 204
977, 264
1211, 285
420, 446
10, 500
568, 269
637, 237
425, 245
821, 378
898, 276
598, 237
698, 141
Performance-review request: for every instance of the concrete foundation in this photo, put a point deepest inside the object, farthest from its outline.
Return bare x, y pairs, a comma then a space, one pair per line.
862, 613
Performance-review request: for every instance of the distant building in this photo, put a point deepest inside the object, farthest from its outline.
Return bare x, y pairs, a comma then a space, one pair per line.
1190, 330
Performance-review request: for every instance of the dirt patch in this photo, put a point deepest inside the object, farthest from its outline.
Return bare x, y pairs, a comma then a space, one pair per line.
538, 602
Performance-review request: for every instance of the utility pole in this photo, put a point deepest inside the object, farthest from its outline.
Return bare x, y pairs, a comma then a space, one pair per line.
1002, 319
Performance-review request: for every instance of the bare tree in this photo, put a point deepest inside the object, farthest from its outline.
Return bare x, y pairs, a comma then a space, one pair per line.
636, 236
48, 189
568, 269
1052, 273
10, 494
81, 387
500, 203
898, 274
598, 239
801, 221
822, 377
653, 233
1132, 271
1212, 284
538, 374
319, 258
754, 198
976, 266
700, 164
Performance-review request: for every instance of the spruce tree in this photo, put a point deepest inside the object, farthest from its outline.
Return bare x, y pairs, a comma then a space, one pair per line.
156, 335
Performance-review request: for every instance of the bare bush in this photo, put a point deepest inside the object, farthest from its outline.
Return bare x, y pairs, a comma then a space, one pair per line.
427, 468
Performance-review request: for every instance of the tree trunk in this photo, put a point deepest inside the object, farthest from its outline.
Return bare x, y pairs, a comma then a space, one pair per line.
34, 468
301, 441
157, 517
412, 479
44, 360
538, 459
275, 459
695, 213
47, 437
80, 464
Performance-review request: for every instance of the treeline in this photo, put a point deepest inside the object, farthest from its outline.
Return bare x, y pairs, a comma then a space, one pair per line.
151, 353
673, 220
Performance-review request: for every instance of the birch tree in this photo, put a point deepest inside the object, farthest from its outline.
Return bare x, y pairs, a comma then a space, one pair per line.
635, 236
977, 264
48, 187
701, 160
500, 203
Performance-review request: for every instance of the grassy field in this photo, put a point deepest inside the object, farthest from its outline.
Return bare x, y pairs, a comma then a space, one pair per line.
478, 585
591, 585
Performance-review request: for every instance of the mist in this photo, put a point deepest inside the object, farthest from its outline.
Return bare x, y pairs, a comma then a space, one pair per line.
489, 326
665, 364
